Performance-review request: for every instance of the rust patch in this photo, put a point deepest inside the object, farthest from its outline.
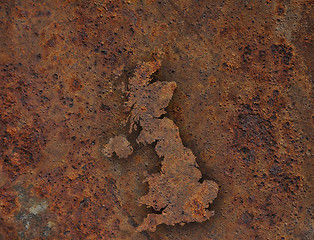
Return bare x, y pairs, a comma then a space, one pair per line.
176, 191
119, 145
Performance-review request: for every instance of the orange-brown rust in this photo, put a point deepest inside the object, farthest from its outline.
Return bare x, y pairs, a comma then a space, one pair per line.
119, 145
243, 104
176, 190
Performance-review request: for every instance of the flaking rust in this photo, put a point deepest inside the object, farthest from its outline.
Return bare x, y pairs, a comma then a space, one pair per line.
119, 145
176, 191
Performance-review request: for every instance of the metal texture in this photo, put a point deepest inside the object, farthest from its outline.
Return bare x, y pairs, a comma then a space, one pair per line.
242, 104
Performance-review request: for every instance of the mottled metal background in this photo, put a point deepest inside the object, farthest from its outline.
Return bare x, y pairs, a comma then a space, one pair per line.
243, 70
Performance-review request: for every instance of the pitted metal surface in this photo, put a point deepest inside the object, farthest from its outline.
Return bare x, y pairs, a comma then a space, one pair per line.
242, 104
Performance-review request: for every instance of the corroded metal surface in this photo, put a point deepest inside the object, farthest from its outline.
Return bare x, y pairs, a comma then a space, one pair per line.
118, 145
242, 104
175, 193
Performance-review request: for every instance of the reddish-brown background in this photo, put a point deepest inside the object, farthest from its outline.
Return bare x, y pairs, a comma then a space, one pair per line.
243, 105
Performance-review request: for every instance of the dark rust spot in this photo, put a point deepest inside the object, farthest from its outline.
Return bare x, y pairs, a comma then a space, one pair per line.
76, 84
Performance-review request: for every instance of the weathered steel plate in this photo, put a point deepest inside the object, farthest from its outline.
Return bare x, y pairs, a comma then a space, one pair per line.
243, 72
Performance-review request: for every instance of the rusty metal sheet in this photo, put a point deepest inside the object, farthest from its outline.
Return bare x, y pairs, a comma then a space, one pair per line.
242, 105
